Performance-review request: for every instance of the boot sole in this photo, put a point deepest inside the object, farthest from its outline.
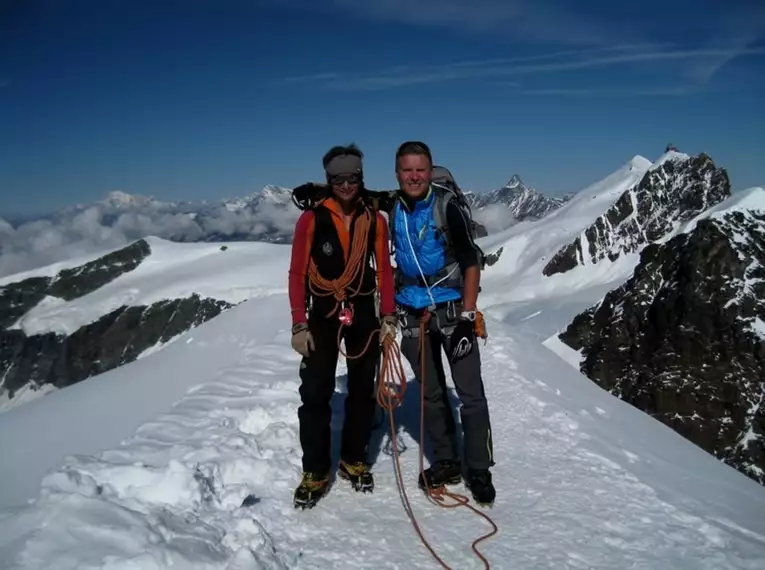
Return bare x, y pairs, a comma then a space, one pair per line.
488, 504
484, 504
304, 504
357, 486
453, 481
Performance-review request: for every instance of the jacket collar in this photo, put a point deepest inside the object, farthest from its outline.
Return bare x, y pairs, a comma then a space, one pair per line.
419, 205
336, 209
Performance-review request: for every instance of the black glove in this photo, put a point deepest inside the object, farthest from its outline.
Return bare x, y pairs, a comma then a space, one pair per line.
306, 195
461, 340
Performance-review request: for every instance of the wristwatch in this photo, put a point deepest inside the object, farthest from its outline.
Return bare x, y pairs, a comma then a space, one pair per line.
297, 327
468, 316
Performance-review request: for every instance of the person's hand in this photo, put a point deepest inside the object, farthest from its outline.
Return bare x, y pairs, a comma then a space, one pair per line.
309, 193
461, 340
302, 340
388, 328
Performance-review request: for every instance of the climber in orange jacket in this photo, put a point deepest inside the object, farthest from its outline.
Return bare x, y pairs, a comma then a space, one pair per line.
334, 245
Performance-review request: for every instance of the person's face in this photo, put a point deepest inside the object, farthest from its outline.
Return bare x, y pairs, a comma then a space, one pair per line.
345, 187
413, 172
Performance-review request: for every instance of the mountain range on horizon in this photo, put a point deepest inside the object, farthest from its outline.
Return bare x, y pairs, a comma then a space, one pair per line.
273, 194
623, 370
266, 215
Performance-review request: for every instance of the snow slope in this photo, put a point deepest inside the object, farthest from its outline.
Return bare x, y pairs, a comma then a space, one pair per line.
515, 285
161, 453
585, 481
750, 199
173, 270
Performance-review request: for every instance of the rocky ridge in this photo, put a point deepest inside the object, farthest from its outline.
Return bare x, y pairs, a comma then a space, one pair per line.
675, 190
114, 339
684, 338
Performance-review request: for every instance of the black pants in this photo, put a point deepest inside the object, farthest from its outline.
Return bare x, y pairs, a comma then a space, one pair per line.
466, 374
317, 375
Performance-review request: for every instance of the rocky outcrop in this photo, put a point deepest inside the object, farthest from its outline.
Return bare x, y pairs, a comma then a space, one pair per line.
73, 283
17, 298
684, 339
114, 339
675, 190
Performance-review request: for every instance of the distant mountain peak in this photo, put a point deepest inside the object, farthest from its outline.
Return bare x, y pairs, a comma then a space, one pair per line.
120, 199
273, 194
273, 189
514, 182
524, 203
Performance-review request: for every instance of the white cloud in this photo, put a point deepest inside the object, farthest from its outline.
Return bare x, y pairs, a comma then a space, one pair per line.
494, 217
500, 69
538, 21
609, 91
84, 230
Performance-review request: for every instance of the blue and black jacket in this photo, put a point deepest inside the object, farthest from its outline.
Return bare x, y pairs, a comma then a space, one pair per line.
433, 246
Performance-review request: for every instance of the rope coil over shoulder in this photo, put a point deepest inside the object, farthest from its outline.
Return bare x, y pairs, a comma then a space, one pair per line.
354, 266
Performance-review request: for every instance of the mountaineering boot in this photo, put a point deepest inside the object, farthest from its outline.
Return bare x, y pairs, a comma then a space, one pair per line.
441, 473
312, 488
479, 483
358, 474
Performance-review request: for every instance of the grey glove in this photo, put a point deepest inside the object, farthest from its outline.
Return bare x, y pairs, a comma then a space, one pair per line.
302, 340
388, 328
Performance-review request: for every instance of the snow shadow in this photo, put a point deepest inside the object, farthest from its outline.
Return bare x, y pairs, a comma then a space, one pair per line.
407, 420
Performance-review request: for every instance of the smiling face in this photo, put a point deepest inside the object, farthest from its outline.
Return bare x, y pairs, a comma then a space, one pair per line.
345, 187
413, 172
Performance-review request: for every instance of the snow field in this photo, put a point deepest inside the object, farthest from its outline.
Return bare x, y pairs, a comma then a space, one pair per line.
575, 488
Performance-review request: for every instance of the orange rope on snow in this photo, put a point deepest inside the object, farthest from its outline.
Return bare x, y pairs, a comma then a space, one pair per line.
390, 394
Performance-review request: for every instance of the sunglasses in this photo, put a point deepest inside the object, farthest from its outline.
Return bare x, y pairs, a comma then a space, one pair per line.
341, 179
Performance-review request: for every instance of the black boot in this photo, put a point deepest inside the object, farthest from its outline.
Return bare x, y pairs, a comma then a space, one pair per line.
311, 489
358, 474
479, 483
441, 473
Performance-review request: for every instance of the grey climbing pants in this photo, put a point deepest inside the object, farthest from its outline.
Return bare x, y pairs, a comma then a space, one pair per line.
466, 375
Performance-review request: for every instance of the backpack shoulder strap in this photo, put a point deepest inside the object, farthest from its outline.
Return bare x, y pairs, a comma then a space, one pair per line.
443, 196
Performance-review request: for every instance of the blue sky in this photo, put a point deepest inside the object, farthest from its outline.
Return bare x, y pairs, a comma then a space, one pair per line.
201, 100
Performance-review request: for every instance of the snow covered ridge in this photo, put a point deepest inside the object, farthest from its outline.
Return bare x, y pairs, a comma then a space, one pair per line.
63, 324
684, 338
675, 189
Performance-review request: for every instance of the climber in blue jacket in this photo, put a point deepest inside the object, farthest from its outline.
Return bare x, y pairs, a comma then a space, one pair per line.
437, 277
